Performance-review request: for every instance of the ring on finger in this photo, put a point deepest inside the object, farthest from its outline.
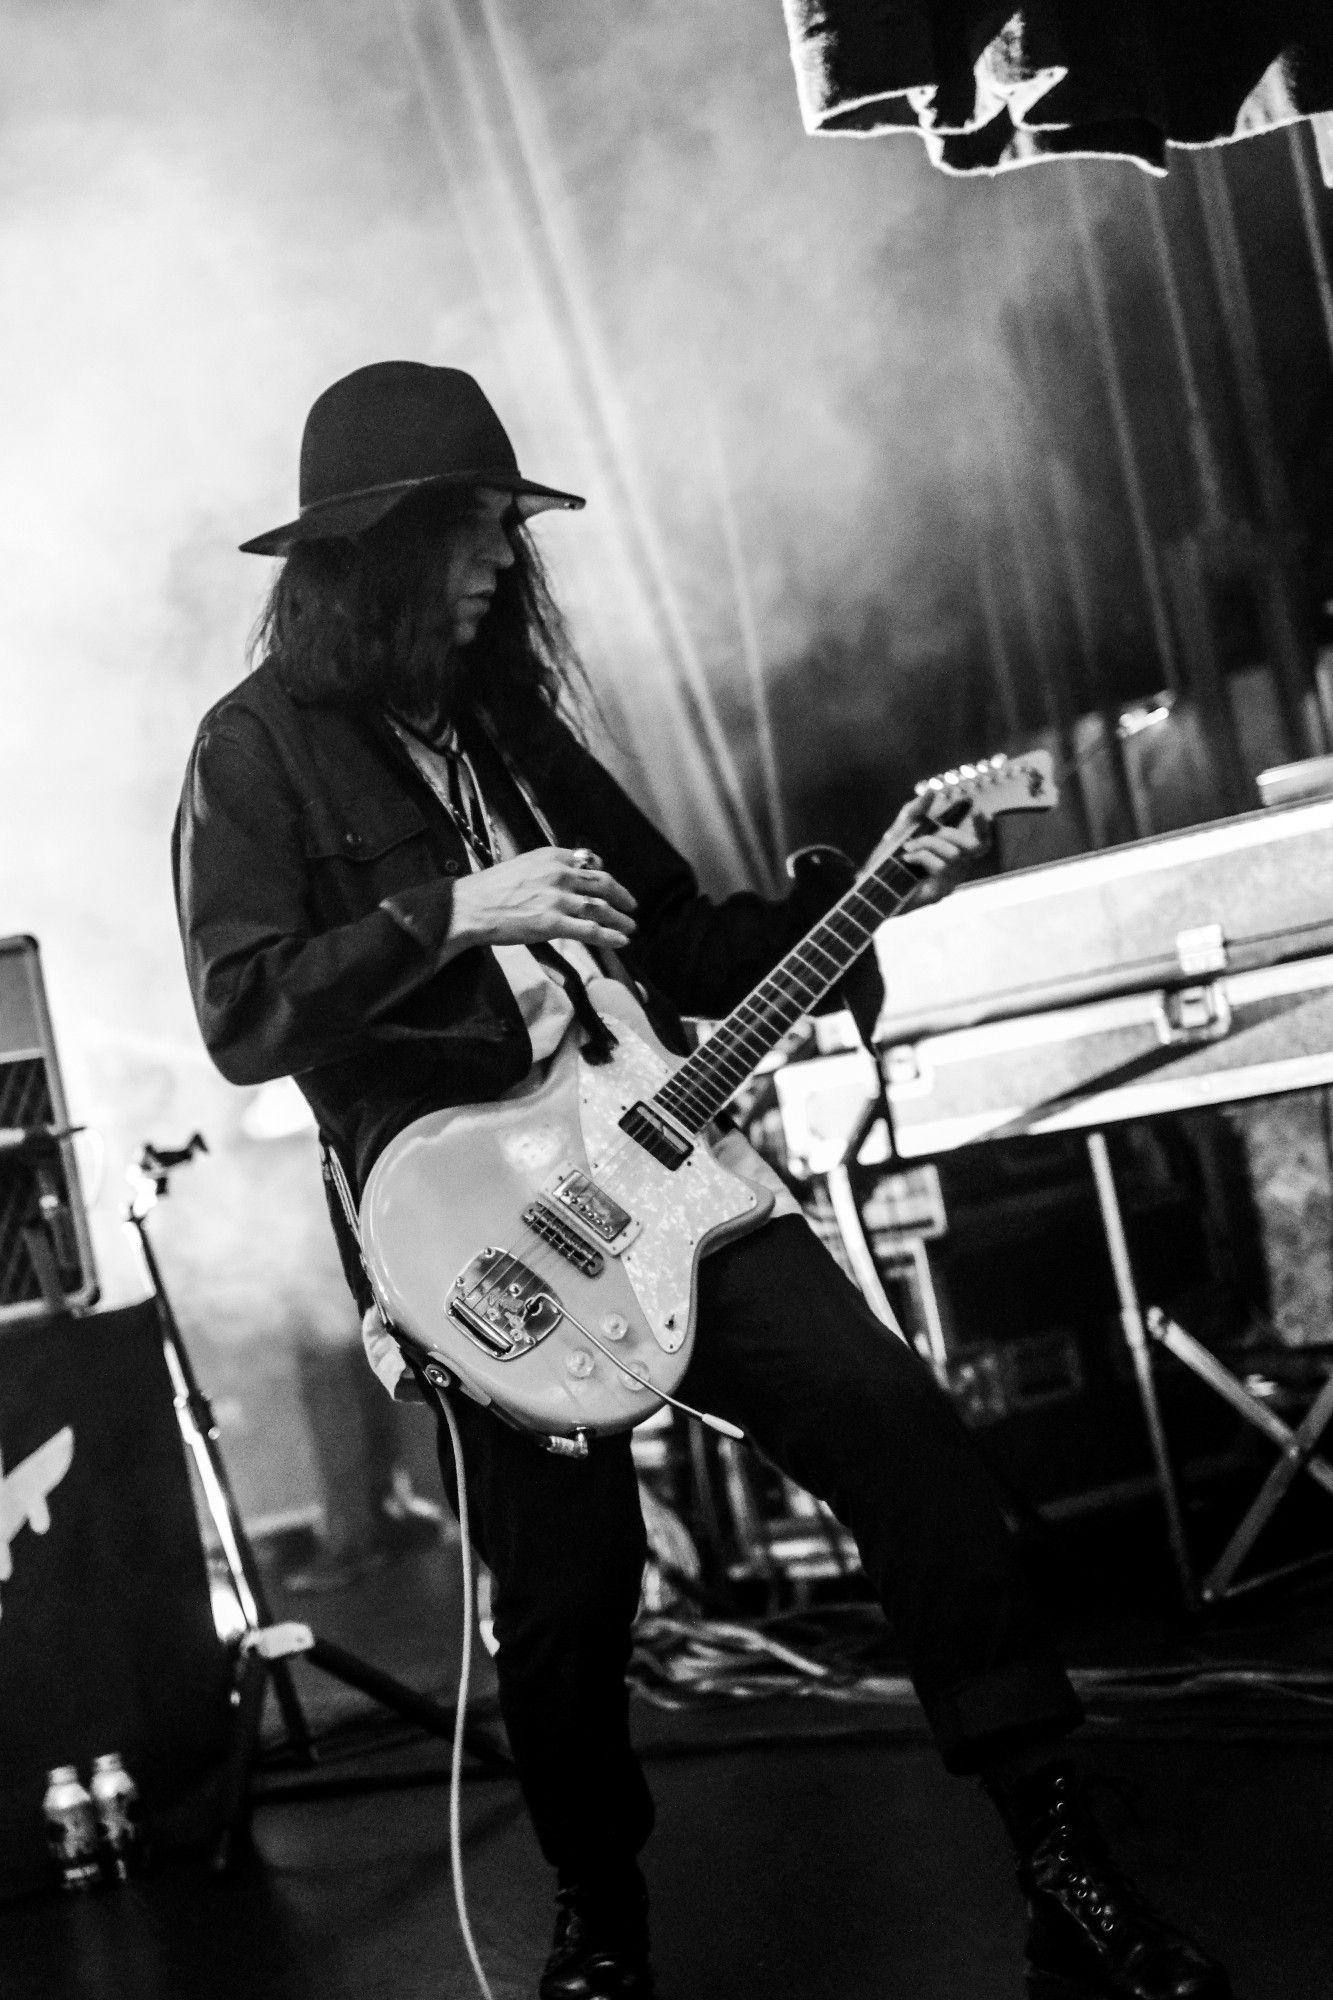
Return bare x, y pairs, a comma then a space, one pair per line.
584, 858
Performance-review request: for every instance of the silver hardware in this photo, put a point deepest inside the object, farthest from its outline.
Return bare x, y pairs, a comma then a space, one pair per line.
504, 1306
1194, 1014
553, 1228
1203, 949
588, 1208
568, 1447
906, 1072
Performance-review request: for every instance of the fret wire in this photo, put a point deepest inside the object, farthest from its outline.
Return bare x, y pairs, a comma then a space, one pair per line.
776, 1003
875, 886
744, 1040
872, 890
703, 1083
845, 912
859, 931
856, 907
724, 1052
787, 1007
735, 1056
812, 943
774, 1006
820, 978
911, 880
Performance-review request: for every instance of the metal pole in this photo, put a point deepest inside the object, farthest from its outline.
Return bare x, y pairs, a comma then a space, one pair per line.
199, 1430
859, 1254
1136, 1338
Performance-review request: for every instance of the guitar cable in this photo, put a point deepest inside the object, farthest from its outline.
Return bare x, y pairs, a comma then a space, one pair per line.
336, 1176
460, 1709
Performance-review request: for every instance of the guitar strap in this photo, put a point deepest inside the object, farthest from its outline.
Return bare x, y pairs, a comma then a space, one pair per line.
461, 797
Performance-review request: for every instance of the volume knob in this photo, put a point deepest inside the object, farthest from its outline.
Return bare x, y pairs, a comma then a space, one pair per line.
615, 1326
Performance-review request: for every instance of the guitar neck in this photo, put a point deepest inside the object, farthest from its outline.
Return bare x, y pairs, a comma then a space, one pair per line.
697, 1091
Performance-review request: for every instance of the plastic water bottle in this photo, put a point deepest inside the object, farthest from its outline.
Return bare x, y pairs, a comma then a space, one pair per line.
115, 1798
71, 1829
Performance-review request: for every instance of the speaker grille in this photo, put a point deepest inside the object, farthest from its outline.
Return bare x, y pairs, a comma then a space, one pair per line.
25, 1099
31, 1190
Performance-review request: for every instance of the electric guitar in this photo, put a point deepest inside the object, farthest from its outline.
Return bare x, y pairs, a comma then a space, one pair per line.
542, 1249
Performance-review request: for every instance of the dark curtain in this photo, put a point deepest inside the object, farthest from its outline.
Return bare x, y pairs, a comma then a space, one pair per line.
989, 87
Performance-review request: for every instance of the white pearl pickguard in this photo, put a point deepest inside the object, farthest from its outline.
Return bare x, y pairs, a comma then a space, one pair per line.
678, 1210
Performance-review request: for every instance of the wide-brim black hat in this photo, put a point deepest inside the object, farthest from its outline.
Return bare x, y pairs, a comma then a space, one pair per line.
394, 429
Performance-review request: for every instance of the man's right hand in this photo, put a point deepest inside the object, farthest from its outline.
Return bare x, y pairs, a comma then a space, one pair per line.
552, 892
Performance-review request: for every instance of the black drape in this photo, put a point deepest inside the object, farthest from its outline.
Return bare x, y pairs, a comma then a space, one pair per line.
992, 86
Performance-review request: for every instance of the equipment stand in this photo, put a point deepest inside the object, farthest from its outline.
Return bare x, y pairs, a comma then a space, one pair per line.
1136, 1338
1299, 1449
266, 1648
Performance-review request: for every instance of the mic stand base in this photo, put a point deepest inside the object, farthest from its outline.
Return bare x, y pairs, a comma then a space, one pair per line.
267, 1648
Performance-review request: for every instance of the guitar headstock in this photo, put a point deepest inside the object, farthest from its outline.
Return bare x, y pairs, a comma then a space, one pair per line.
994, 786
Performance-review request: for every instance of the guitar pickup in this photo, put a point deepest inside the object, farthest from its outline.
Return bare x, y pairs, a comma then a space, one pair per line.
595, 1214
649, 1129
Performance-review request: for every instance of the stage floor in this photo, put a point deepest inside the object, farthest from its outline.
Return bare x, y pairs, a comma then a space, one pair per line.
846, 1868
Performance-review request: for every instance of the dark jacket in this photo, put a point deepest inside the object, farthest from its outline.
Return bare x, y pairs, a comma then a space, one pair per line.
314, 879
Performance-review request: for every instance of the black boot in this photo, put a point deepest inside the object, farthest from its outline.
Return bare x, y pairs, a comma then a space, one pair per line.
1091, 1935
600, 1950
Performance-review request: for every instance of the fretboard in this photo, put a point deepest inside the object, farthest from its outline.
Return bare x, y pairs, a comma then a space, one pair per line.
697, 1091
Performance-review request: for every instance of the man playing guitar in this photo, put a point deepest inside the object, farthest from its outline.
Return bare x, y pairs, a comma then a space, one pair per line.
385, 832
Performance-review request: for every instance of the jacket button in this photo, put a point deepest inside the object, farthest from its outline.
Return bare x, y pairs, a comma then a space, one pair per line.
451, 867
353, 841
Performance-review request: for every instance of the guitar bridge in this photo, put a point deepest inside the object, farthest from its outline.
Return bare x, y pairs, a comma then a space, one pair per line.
505, 1307
553, 1229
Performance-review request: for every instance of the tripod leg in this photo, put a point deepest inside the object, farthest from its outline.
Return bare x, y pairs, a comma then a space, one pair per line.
293, 1715
248, 1701
403, 1700
1136, 1339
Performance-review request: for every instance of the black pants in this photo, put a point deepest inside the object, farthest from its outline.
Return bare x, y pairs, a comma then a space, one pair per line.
788, 1349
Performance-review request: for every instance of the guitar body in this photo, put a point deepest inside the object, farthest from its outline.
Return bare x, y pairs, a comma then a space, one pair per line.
499, 1236
546, 1256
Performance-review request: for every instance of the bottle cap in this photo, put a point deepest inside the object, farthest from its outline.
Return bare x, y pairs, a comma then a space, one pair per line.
63, 1774
108, 1761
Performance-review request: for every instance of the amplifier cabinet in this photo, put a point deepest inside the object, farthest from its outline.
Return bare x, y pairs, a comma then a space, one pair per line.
48, 1191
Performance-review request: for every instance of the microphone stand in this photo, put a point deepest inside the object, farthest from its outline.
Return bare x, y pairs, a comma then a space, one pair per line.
266, 1648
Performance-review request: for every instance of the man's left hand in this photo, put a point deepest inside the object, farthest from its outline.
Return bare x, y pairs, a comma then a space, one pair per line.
940, 854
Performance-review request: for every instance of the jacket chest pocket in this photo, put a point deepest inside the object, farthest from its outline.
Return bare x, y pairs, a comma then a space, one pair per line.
362, 848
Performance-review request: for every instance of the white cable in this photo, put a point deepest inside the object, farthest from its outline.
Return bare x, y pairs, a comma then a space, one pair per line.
460, 1715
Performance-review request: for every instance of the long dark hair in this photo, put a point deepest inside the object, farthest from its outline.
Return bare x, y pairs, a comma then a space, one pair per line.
342, 622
